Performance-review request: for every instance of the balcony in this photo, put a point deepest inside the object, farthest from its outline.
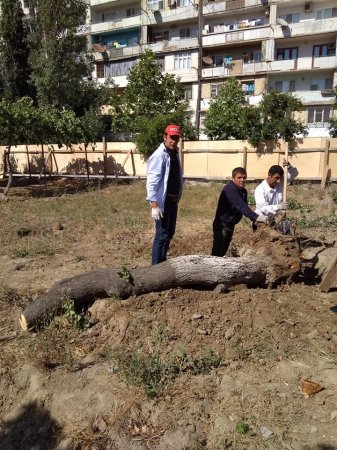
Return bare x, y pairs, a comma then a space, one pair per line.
128, 22
185, 75
247, 35
120, 81
173, 45
306, 28
234, 69
172, 15
102, 2
308, 63
216, 7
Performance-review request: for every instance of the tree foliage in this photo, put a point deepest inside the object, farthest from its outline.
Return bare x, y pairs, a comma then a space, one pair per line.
274, 119
226, 116
150, 102
14, 52
59, 56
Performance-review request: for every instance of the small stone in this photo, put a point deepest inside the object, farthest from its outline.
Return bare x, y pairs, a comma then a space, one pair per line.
220, 288
312, 334
333, 415
229, 333
334, 339
197, 316
313, 430
200, 331
65, 444
265, 433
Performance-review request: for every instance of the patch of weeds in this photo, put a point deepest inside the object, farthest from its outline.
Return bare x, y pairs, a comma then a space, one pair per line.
8, 295
23, 231
294, 204
153, 374
242, 427
334, 196
251, 200
239, 353
42, 248
77, 320
125, 274
19, 253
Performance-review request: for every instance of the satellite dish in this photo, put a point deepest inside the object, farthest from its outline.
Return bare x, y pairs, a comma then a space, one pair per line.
207, 60
99, 48
282, 22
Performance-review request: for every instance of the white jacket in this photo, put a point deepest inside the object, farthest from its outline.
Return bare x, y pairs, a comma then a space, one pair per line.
267, 198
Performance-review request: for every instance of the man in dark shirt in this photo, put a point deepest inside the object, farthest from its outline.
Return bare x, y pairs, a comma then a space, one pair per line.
232, 205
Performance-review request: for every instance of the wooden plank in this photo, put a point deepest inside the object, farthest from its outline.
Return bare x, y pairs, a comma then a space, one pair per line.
325, 164
329, 280
244, 158
285, 177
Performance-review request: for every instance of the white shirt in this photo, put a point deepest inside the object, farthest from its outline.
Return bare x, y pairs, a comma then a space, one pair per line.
267, 198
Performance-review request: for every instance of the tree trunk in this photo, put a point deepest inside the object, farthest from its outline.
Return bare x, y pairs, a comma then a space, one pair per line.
192, 270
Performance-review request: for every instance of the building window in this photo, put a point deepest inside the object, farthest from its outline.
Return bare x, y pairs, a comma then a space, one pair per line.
160, 36
326, 13
185, 33
188, 92
287, 53
182, 61
155, 5
248, 87
285, 86
320, 51
291, 18
131, 12
318, 116
161, 62
181, 3
100, 70
215, 89
118, 68
328, 83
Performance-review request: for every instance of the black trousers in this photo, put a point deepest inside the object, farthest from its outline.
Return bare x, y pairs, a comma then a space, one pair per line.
222, 236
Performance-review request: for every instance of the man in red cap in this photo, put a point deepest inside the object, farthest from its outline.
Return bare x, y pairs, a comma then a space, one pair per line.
164, 186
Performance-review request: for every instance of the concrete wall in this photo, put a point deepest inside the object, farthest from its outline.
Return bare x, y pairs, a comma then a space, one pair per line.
201, 159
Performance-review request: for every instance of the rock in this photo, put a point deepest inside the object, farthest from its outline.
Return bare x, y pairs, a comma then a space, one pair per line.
313, 429
333, 415
334, 339
220, 288
265, 433
313, 334
100, 425
229, 333
175, 439
197, 316
200, 331
65, 444
87, 361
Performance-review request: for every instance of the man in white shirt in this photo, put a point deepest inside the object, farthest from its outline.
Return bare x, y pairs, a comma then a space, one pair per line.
269, 193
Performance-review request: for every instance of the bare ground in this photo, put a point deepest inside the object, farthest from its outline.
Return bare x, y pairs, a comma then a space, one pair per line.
224, 369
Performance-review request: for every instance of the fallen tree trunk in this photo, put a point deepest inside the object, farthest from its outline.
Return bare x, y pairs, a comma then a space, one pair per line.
193, 270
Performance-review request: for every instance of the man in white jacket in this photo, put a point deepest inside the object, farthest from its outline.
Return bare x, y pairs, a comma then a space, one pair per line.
269, 193
164, 189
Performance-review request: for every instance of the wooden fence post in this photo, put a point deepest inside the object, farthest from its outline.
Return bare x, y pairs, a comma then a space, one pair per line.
244, 158
325, 164
104, 157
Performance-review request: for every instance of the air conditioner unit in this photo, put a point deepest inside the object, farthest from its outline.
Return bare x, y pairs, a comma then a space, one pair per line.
307, 7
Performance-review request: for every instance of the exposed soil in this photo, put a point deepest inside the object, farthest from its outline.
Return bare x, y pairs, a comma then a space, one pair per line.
61, 388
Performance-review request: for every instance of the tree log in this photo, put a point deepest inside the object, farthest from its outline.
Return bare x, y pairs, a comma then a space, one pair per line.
192, 270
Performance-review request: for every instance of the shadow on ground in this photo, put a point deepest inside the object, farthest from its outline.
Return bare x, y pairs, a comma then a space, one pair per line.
32, 428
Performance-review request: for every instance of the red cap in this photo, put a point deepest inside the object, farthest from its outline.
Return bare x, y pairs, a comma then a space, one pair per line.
173, 130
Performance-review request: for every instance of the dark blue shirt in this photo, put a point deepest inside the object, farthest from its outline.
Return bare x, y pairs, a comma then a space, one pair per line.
232, 205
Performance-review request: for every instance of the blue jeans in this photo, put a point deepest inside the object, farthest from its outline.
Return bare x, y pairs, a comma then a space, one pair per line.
165, 229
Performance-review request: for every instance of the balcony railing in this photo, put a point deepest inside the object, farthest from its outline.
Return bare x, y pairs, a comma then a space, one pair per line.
173, 44
128, 22
306, 28
251, 34
325, 62
233, 69
172, 15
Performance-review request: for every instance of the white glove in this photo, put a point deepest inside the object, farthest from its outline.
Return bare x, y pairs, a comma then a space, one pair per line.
156, 213
282, 205
262, 219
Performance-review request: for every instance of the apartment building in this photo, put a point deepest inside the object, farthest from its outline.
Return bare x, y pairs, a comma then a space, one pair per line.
287, 45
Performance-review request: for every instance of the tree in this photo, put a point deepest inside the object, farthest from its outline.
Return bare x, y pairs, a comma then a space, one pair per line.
59, 57
333, 120
226, 116
273, 119
14, 52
